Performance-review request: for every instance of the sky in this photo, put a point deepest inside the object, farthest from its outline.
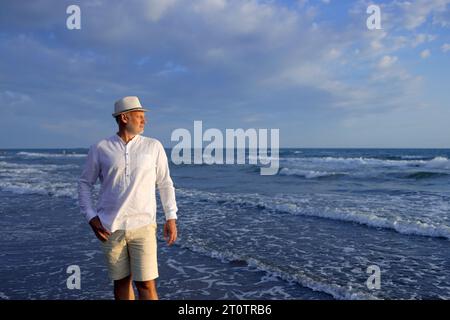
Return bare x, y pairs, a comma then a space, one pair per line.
312, 69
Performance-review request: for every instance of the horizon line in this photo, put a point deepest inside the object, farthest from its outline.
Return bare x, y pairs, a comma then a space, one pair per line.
290, 147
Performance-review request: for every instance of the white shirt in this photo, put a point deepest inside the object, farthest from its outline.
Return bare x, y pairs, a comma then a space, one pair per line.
128, 174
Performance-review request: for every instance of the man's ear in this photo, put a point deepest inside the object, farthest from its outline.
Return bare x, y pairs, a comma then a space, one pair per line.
124, 117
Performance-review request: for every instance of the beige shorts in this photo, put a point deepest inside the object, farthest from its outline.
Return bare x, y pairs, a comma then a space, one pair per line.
132, 252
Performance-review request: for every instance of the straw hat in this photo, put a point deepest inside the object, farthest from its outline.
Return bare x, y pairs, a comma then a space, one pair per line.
127, 104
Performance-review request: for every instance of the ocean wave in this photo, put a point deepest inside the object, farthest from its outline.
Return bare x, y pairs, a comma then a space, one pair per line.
282, 205
54, 189
426, 175
50, 155
365, 168
3, 296
312, 282
415, 157
436, 162
39, 167
399, 225
14, 172
263, 159
308, 174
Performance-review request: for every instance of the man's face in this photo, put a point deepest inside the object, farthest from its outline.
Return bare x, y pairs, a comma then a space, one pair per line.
136, 122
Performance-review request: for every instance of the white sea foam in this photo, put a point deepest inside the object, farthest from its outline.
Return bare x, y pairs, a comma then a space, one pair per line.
50, 155
338, 292
437, 162
284, 205
362, 168
44, 179
371, 220
308, 174
23, 166
262, 158
3, 296
49, 189
14, 172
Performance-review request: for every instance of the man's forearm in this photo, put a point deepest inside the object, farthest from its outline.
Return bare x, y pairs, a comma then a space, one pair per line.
85, 200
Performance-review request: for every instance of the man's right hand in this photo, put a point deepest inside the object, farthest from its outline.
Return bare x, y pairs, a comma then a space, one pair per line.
100, 232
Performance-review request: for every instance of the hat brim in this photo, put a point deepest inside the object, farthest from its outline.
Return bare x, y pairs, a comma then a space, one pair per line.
129, 110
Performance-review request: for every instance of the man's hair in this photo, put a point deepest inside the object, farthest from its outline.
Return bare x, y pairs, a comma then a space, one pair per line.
118, 117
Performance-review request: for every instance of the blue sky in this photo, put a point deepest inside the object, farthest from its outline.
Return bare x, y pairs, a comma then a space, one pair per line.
309, 68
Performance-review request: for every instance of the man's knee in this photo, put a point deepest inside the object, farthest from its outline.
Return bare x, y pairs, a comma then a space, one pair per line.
145, 285
123, 281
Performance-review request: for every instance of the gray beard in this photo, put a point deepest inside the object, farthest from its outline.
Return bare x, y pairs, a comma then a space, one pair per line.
134, 132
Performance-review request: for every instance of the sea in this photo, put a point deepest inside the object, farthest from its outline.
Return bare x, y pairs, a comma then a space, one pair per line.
331, 224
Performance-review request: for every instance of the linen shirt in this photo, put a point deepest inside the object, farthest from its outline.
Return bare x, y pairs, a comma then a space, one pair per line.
129, 173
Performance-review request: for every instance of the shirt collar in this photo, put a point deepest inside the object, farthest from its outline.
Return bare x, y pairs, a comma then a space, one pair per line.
119, 139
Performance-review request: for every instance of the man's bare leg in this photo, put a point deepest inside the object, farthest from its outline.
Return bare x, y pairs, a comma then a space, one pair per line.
146, 290
123, 289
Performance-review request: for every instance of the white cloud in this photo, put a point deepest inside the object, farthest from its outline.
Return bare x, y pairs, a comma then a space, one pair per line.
387, 61
13, 99
425, 53
71, 128
172, 68
215, 54
333, 53
445, 47
422, 38
377, 40
417, 13
252, 47
155, 9
209, 5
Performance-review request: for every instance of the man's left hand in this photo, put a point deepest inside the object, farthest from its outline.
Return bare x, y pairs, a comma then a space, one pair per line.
170, 231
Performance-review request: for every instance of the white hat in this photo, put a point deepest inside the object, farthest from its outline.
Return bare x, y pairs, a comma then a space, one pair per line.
127, 104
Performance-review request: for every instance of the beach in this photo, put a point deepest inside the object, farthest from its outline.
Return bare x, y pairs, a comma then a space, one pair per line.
309, 232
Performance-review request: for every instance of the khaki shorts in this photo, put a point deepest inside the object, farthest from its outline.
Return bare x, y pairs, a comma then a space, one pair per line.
132, 252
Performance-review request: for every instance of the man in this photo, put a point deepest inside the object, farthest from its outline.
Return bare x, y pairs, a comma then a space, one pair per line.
129, 167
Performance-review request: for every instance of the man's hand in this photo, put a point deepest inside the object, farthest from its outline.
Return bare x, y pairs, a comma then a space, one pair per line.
170, 231
100, 232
